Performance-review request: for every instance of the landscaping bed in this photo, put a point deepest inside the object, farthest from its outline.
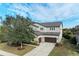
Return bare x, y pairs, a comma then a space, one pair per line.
66, 49
14, 50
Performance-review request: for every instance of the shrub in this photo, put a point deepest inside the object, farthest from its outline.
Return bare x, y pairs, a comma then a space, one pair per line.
73, 40
77, 48
2, 37
34, 42
58, 44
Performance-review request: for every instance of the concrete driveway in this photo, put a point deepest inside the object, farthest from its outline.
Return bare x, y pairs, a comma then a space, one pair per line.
42, 50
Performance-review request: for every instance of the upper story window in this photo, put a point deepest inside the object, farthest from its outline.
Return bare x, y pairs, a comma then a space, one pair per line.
52, 28
41, 28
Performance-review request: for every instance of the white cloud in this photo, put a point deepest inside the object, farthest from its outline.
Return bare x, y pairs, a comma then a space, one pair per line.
18, 12
21, 7
62, 11
49, 12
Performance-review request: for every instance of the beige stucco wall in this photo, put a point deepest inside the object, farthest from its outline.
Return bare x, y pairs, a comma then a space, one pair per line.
60, 36
46, 29
39, 26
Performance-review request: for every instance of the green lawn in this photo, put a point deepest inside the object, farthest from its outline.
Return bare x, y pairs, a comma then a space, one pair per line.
5, 47
65, 50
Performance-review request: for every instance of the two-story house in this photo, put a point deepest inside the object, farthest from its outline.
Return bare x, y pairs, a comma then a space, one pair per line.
48, 32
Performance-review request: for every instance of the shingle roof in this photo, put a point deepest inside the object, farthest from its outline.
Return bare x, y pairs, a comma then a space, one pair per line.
47, 33
48, 24
52, 24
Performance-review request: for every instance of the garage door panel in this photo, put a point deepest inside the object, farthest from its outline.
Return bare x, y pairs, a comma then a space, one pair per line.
47, 39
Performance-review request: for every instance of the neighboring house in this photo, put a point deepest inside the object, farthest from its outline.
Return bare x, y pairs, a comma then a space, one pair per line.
77, 33
77, 37
77, 27
48, 32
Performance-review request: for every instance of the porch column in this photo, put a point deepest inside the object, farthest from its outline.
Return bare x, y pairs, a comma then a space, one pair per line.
43, 39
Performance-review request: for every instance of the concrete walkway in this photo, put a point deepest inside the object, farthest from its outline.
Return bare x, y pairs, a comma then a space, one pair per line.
4, 53
42, 50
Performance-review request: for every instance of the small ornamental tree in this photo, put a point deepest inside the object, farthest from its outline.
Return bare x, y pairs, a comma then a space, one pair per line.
18, 30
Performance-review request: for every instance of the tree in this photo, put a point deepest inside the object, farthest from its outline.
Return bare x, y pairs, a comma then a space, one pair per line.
69, 35
18, 30
1, 34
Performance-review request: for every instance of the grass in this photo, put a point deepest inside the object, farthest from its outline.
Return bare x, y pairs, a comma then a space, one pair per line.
65, 50
5, 47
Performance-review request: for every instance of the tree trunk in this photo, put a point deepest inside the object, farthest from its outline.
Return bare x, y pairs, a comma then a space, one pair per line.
21, 45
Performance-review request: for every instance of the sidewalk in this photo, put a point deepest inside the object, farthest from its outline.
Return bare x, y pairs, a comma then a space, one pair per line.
3, 53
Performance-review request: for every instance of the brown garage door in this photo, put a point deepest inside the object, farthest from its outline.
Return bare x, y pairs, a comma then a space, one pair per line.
47, 39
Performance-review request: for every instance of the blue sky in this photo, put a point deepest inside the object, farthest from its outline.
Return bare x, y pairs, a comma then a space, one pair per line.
44, 12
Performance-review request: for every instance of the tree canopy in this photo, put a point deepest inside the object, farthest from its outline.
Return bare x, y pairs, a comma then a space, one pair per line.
18, 30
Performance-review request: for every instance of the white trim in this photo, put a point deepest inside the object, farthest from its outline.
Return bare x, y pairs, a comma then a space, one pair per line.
47, 36
43, 38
